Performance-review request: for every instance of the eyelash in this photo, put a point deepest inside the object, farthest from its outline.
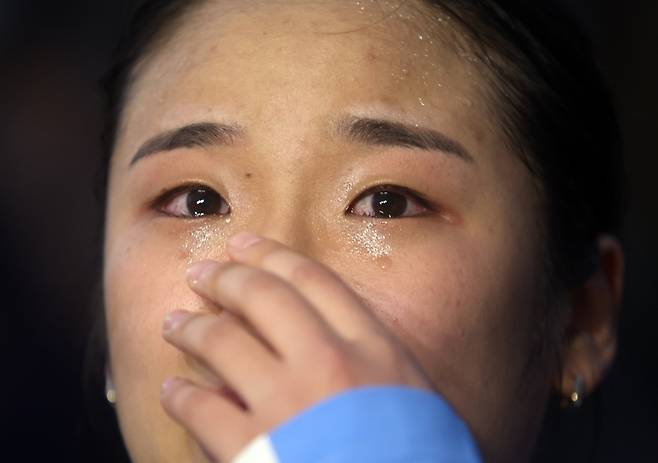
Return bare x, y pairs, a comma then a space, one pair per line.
180, 196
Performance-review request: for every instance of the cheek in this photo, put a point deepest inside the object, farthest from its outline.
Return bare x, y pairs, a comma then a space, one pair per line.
444, 291
144, 278
427, 302
144, 275
464, 311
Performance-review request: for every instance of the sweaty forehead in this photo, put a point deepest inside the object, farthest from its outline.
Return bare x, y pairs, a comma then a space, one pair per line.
345, 51
391, 18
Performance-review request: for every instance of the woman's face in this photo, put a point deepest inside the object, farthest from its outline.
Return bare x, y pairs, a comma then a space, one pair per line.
319, 107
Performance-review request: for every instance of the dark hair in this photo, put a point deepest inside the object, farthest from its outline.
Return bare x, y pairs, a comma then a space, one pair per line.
147, 27
557, 115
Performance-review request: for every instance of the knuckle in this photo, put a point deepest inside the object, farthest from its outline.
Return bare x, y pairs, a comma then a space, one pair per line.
259, 286
262, 251
335, 363
224, 268
261, 281
190, 404
308, 273
185, 332
263, 288
213, 335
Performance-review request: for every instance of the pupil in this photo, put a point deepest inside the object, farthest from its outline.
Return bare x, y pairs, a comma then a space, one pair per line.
388, 204
202, 202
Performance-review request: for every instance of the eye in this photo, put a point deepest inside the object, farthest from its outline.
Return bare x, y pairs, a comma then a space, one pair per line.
388, 202
193, 202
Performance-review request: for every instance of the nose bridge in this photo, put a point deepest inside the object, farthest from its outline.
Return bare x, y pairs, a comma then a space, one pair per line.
284, 212
286, 208
294, 234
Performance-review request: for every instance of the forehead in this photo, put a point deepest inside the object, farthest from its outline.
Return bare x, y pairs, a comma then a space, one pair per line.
226, 57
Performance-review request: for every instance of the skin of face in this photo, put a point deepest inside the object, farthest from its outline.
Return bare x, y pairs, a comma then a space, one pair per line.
457, 283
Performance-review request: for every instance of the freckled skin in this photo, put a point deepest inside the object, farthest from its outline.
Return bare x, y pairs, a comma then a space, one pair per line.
459, 293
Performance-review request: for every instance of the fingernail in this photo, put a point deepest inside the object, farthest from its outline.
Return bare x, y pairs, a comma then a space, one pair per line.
243, 240
197, 271
173, 319
169, 385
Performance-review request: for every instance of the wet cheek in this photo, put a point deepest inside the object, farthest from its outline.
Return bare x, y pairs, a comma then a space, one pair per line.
425, 307
145, 276
411, 288
136, 299
205, 240
368, 242
417, 293
144, 279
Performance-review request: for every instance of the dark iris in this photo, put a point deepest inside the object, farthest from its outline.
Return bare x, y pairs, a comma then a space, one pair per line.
202, 201
388, 204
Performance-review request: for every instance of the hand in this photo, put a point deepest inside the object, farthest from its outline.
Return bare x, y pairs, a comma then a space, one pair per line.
291, 334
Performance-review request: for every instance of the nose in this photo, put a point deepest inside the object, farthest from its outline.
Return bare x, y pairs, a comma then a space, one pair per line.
289, 230
294, 211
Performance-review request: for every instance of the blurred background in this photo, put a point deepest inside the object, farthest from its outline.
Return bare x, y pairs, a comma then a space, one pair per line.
52, 56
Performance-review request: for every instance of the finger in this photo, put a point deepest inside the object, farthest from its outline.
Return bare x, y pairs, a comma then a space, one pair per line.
220, 427
338, 304
271, 306
223, 344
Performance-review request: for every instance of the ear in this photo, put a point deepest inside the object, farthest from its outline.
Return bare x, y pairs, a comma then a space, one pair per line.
591, 339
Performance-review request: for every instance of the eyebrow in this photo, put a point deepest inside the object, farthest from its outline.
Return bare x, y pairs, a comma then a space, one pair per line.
391, 133
198, 134
378, 132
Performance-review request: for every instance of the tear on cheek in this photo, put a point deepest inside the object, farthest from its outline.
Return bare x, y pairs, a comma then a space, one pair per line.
204, 240
369, 241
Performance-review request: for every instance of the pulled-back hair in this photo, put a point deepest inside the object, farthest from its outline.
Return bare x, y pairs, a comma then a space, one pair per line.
557, 115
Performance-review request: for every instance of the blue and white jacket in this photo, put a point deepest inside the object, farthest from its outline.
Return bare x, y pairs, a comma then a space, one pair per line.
374, 424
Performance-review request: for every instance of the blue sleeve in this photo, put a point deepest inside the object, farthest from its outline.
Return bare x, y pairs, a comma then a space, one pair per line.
376, 424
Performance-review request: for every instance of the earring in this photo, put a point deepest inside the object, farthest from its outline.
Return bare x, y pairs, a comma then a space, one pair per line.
110, 392
578, 394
